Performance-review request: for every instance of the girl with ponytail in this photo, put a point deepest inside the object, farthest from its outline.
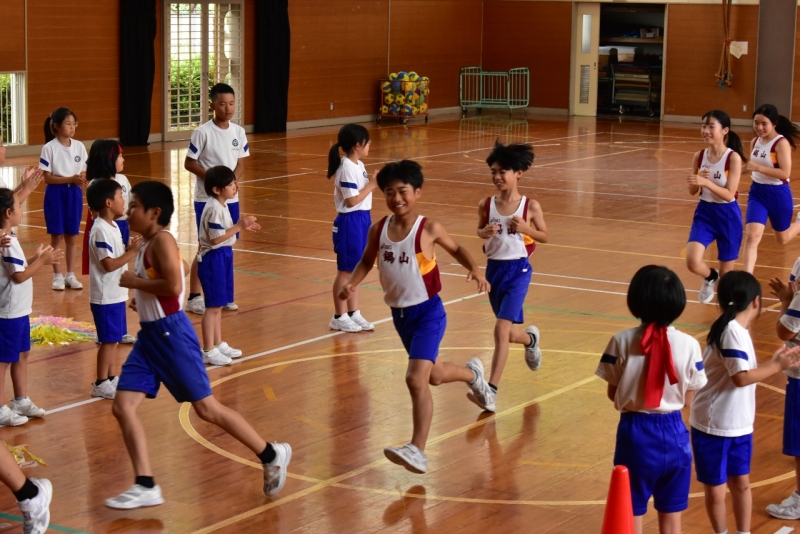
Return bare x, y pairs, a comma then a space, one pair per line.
770, 196
715, 176
352, 194
653, 371
723, 411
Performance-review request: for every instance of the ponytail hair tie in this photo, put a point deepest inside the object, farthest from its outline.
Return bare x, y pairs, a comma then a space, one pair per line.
730, 303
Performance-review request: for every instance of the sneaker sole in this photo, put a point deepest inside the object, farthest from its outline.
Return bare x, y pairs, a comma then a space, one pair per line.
779, 515
47, 487
705, 301
486, 408
531, 365
345, 331
154, 502
399, 460
286, 470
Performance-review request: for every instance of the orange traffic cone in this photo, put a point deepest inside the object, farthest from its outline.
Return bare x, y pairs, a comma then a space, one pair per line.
618, 518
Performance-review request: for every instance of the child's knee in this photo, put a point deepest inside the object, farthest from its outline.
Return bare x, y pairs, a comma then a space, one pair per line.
416, 382
121, 410
207, 409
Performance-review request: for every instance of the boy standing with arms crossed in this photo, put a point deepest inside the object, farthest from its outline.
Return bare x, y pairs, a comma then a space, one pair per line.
167, 350
217, 142
411, 284
509, 222
108, 259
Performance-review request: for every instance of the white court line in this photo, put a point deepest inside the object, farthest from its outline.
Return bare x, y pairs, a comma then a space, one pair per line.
784, 530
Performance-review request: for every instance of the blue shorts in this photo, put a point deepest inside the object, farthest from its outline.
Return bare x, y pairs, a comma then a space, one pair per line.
721, 223
510, 280
15, 338
167, 351
125, 230
716, 457
215, 270
350, 231
770, 201
791, 419
233, 208
421, 328
110, 321
655, 449
63, 206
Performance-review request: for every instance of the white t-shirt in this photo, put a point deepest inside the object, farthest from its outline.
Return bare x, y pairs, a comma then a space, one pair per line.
349, 180
791, 320
105, 241
623, 365
210, 145
795, 271
214, 222
16, 300
721, 408
122, 180
60, 160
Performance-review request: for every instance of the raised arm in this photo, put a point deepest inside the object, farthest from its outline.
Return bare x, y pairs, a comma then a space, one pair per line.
462, 256
166, 259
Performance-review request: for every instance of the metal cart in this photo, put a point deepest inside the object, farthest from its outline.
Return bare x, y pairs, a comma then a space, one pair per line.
504, 90
404, 99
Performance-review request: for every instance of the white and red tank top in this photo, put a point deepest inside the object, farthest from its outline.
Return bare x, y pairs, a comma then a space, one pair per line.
717, 173
505, 244
765, 154
154, 307
407, 276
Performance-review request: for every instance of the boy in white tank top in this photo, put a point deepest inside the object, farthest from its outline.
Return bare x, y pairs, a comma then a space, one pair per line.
404, 244
509, 222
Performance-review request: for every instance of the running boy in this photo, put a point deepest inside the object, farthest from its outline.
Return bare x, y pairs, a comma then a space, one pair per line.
215, 260
217, 142
509, 222
108, 259
168, 351
410, 279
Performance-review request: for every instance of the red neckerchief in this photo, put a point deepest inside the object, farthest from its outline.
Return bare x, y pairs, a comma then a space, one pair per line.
658, 352
85, 251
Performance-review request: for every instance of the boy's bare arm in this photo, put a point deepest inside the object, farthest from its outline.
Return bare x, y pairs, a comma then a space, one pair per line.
112, 264
365, 265
195, 168
166, 259
459, 253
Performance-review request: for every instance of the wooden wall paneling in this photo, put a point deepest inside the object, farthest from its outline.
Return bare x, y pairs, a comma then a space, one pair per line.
73, 61
12, 38
694, 45
435, 39
543, 47
339, 51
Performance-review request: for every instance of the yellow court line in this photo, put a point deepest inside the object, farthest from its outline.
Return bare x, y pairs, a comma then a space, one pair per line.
590, 157
311, 422
270, 394
555, 464
768, 416
773, 388
280, 369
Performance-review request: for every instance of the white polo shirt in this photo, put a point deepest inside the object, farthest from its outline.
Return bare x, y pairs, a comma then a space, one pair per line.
105, 241
65, 161
16, 300
721, 408
214, 222
349, 180
623, 365
210, 145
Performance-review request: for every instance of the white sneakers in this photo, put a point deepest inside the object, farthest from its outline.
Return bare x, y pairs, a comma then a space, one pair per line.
60, 282
106, 390
231, 306
128, 339
36, 511
8, 417
706, 294
481, 393
275, 471
215, 357
26, 407
533, 354
228, 351
136, 497
196, 305
789, 508
409, 456
350, 323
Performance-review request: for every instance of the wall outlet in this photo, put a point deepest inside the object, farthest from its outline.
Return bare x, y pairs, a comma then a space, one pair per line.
744, 107
332, 106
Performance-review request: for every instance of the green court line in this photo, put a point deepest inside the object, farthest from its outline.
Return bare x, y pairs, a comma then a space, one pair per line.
255, 273
52, 526
606, 316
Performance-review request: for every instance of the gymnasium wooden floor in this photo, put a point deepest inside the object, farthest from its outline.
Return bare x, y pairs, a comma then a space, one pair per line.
614, 199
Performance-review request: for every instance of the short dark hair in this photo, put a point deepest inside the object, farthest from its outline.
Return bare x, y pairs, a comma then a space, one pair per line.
406, 171
99, 191
219, 177
152, 194
102, 162
514, 157
220, 89
656, 295
6, 202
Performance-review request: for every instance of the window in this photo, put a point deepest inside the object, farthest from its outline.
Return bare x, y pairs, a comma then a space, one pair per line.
12, 108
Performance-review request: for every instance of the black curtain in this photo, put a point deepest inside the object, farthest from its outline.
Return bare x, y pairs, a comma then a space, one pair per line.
137, 68
272, 65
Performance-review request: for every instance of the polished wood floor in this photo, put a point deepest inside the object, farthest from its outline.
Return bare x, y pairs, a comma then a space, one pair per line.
614, 199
